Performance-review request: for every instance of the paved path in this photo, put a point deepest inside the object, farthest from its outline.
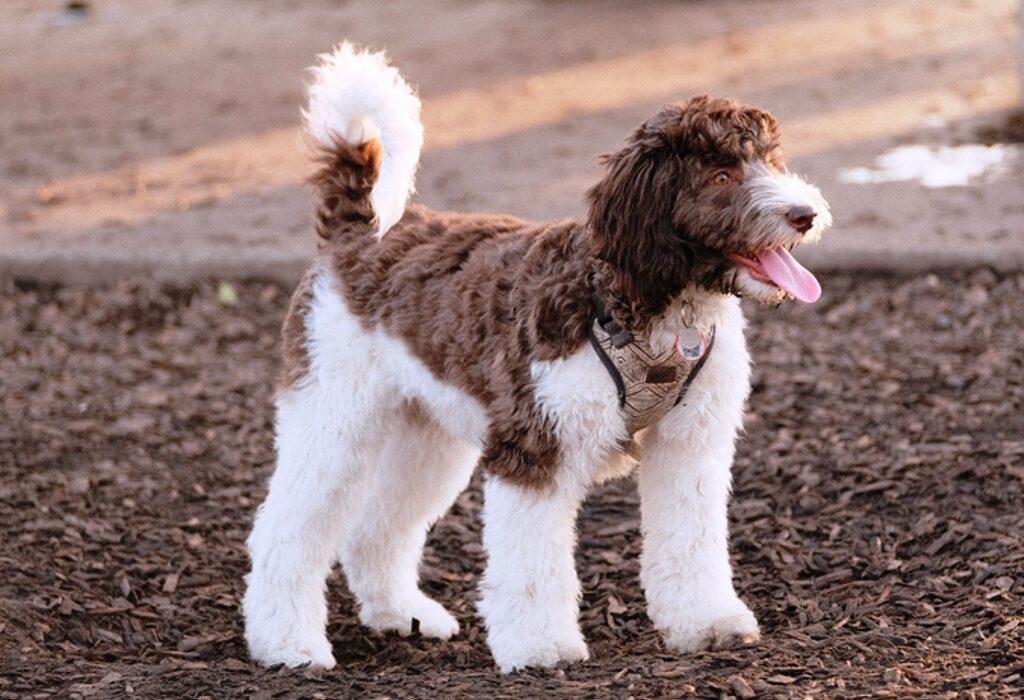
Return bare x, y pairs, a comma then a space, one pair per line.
160, 136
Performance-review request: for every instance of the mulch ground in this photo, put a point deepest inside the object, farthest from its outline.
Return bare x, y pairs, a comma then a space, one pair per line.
876, 527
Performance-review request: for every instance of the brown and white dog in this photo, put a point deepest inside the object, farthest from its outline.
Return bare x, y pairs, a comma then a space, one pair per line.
421, 344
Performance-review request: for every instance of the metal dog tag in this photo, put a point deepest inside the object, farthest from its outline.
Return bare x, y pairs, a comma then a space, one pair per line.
692, 344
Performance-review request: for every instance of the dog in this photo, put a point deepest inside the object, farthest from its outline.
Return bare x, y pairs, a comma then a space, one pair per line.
555, 356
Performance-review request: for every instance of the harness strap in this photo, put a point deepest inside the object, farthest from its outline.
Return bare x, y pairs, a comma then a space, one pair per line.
609, 365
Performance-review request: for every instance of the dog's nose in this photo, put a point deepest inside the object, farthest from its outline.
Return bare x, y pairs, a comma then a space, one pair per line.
801, 217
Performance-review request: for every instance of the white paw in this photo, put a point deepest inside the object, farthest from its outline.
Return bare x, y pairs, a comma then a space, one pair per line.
316, 652
513, 652
434, 620
722, 631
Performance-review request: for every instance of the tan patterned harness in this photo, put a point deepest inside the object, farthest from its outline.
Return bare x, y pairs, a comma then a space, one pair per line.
650, 384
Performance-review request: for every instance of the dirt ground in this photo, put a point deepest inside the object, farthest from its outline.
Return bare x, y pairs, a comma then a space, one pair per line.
876, 525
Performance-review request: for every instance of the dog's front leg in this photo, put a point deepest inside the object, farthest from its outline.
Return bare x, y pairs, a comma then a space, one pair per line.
685, 570
530, 593
684, 482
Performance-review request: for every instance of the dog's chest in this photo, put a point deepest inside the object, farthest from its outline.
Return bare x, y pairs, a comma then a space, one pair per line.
604, 394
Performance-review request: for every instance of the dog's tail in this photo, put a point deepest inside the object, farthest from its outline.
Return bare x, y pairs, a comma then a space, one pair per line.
364, 121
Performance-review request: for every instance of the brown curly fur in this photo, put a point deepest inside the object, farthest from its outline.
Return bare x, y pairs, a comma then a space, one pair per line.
478, 298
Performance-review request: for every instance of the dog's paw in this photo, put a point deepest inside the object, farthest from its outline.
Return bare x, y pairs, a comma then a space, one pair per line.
434, 621
729, 629
514, 652
312, 652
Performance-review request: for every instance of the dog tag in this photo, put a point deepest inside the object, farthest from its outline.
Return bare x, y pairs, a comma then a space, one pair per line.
692, 344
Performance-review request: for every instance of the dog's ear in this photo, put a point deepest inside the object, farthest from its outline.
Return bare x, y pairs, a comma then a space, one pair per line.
632, 213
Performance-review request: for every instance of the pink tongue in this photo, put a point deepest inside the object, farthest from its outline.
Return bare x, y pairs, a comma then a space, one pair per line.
787, 273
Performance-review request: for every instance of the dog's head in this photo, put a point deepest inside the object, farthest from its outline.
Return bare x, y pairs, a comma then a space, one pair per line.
700, 194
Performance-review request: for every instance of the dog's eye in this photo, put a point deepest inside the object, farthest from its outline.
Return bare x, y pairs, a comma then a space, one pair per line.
721, 178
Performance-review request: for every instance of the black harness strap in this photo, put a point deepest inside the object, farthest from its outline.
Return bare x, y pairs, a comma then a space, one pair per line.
620, 385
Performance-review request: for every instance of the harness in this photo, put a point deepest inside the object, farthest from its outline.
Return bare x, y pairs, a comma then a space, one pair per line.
649, 384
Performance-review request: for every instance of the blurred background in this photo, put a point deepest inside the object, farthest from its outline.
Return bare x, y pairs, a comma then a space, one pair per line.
161, 136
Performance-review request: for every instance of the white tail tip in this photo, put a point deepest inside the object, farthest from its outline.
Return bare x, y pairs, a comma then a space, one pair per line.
356, 96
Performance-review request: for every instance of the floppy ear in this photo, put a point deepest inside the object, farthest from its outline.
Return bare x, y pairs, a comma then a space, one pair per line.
631, 218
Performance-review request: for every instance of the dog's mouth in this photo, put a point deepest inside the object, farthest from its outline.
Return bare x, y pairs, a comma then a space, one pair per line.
778, 267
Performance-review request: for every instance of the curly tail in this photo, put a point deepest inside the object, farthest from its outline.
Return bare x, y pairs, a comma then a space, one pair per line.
364, 120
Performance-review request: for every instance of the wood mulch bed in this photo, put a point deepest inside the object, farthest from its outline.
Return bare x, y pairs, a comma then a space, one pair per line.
877, 521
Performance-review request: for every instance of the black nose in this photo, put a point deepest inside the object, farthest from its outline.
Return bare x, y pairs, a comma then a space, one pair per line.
802, 218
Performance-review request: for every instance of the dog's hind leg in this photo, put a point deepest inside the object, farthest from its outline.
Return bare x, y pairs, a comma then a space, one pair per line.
421, 471
322, 470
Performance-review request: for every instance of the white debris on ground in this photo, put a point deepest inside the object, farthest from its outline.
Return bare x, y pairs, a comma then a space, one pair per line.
936, 166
